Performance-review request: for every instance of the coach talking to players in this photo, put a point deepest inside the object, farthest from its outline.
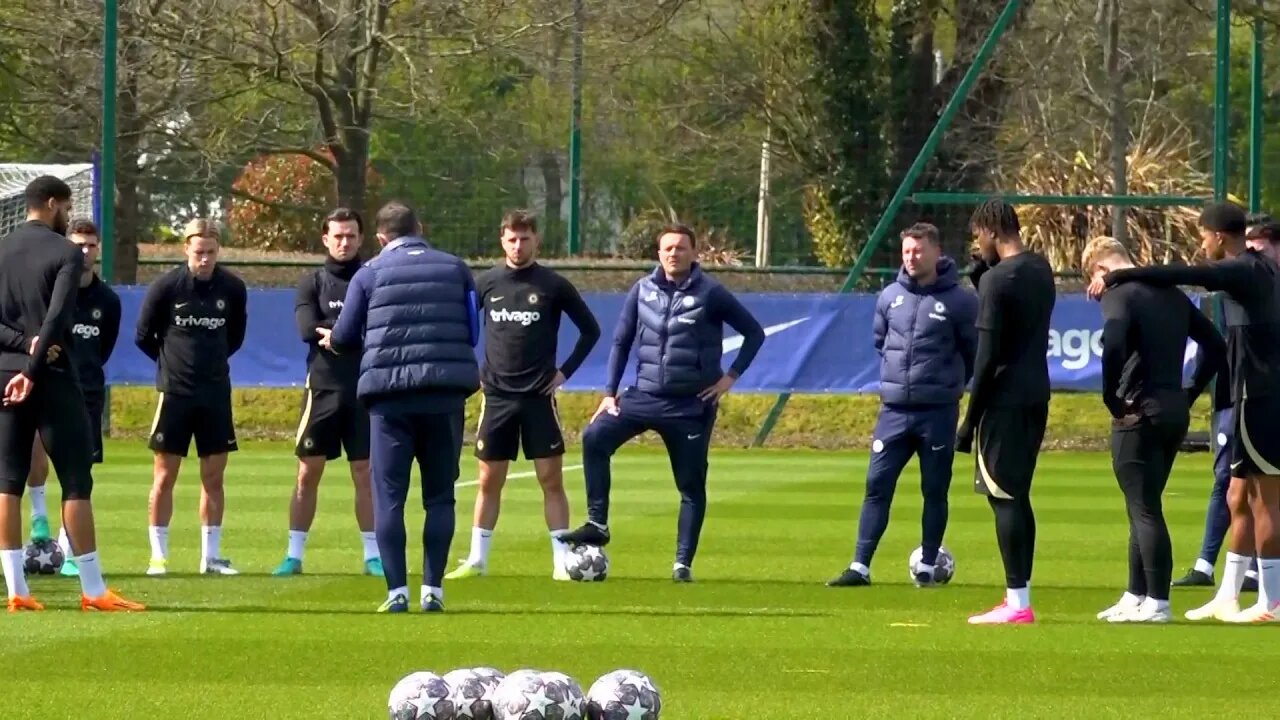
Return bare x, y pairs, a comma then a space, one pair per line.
413, 310
675, 317
924, 331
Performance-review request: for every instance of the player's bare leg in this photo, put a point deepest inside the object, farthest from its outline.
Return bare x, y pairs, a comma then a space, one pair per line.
11, 556
1264, 504
362, 479
555, 506
164, 474
37, 479
213, 503
493, 477
302, 513
1240, 549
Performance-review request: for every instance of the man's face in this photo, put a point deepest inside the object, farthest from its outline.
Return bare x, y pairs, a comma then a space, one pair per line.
342, 239
675, 253
61, 215
1212, 244
920, 257
89, 245
520, 246
202, 255
984, 244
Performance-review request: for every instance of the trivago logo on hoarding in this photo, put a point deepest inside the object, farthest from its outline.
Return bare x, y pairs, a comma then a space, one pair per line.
1075, 348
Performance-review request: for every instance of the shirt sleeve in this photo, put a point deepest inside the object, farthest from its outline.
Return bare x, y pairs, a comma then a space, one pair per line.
348, 330
985, 362
1116, 322
62, 306
880, 323
473, 304
964, 319
13, 340
1211, 353
153, 317
731, 311
110, 326
306, 309
1231, 276
588, 329
624, 335
238, 317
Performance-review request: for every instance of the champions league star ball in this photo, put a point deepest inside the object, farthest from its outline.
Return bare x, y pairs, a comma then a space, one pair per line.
43, 557
471, 692
624, 695
586, 563
529, 695
420, 696
575, 701
944, 568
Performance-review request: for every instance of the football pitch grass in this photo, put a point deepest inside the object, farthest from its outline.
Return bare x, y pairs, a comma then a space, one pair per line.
757, 636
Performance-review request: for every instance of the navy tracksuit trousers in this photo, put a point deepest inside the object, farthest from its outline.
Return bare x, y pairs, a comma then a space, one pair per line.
901, 432
684, 424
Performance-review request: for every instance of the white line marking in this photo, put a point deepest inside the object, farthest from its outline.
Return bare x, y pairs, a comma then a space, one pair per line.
516, 476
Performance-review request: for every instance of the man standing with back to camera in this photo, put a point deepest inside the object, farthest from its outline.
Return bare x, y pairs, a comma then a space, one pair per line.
676, 316
924, 331
193, 319
412, 310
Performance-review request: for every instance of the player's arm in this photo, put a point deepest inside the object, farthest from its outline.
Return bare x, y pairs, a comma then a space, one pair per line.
62, 307
1211, 353
237, 316
582, 318
1230, 276
985, 362
13, 340
306, 310
472, 298
110, 327
624, 336
880, 322
1116, 322
726, 308
348, 330
964, 319
153, 318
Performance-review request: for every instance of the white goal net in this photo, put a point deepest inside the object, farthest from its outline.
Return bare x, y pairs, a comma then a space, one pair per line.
13, 184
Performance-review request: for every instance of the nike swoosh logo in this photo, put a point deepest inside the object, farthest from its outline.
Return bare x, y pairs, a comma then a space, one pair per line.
179, 306
733, 343
554, 445
695, 437
496, 298
939, 447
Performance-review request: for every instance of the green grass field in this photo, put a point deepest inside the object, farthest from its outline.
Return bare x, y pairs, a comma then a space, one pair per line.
758, 636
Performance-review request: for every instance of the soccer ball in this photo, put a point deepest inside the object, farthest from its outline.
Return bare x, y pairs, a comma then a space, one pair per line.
530, 695
586, 563
561, 685
471, 692
420, 696
944, 568
624, 695
43, 557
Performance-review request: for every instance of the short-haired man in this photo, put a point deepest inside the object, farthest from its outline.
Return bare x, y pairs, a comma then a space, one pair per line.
332, 417
39, 272
193, 319
94, 330
924, 332
413, 311
675, 317
521, 303
1144, 338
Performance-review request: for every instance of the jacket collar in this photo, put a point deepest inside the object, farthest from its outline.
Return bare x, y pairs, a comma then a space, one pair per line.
405, 240
659, 278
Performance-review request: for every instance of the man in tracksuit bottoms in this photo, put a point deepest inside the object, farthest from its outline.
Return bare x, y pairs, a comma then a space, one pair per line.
675, 318
924, 331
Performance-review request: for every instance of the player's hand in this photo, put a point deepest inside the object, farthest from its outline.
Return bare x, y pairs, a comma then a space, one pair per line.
17, 389
50, 355
555, 384
721, 387
608, 405
964, 439
326, 338
1097, 287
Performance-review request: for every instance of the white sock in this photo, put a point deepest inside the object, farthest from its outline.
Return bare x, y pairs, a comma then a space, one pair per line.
211, 542
1019, 598
1153, 605
431, 592
64, 542
1268, 582
1130, 599
370, 542
860, 568
39, 508
400, 591
557, 550
14, 575
1250, 574
159, 542
1233, 576
91, 582
679, 566
927, 569
1203, 566
297, 544
480, 540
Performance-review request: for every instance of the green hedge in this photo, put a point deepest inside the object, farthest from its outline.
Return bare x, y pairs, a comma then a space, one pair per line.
1076, 420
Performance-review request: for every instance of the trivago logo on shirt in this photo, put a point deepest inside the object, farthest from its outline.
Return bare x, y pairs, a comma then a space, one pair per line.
524, 317
85, 331
335, 304
208, 323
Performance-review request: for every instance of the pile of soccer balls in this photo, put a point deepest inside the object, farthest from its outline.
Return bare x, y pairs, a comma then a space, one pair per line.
487, 694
